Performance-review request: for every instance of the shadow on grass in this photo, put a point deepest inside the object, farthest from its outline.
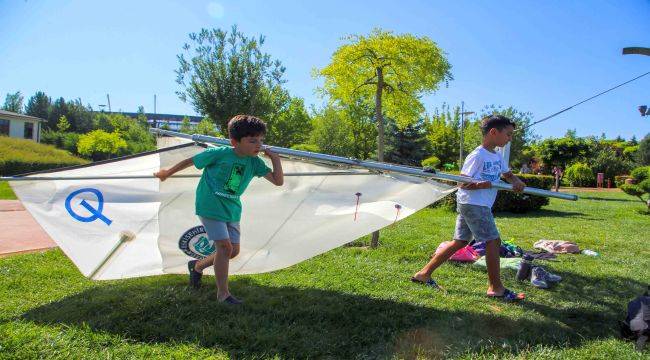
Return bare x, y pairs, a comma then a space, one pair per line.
542, 213
300, 322
605, 199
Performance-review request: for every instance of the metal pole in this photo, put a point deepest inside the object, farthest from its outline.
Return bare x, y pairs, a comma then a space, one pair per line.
369, 164
184, 176
462, 127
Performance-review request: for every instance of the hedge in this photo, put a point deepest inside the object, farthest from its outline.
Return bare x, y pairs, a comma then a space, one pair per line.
510, 201
18, 156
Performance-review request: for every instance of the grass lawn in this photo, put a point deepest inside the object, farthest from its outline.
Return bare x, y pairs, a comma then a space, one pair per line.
5, 191
350, 303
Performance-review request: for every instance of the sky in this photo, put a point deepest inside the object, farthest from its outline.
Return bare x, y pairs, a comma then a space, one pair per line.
537, 56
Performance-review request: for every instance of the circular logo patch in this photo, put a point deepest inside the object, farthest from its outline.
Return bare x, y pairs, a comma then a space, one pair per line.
194, 242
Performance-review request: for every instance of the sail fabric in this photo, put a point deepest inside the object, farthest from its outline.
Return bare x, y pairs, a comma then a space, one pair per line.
310, 214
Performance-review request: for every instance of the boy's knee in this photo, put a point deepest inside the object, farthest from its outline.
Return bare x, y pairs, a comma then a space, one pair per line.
234, 252
225, 247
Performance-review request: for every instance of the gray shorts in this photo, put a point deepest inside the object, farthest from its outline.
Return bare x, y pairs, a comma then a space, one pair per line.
475, 221
220, 230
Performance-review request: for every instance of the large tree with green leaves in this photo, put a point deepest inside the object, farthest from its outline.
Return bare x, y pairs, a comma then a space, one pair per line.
38, 105
223, 74
388, 72
14, 102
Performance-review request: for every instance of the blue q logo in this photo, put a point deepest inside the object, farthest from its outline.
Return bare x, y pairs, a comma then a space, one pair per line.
94, 213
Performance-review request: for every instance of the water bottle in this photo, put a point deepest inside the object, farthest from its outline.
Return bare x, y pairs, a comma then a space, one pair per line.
589, 252
524, 268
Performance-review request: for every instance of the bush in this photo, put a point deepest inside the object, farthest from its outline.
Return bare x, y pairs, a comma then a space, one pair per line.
18, 156
579, 174
62, 140
510, 201
642, 187
641, 173
432, 162
620, 180
100, 145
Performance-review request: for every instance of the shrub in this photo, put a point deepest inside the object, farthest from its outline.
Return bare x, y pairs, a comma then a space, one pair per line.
510, 201
579, 174
62, 140
641, 173
642, 186
620, 180
431, 161
100, 145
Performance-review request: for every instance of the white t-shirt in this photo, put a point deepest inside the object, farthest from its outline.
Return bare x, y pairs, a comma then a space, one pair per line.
482, 165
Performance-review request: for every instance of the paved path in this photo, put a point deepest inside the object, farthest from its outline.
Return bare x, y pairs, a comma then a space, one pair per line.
19, 232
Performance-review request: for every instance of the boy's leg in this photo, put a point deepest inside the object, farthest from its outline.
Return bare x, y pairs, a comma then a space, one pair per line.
492, 259
209, 261
221, 261
438, 259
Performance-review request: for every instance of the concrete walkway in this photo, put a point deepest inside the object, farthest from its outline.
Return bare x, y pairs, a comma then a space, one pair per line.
19, 232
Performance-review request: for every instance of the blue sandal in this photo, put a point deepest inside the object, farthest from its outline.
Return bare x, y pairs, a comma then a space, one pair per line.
508, 296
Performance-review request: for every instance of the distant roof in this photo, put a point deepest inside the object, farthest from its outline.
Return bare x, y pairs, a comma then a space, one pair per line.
173, 117
4, 114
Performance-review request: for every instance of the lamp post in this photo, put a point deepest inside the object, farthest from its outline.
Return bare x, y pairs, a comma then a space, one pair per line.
462, 130
643, 109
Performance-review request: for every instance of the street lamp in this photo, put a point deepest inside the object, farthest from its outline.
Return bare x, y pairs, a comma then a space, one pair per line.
462, 128
643, 109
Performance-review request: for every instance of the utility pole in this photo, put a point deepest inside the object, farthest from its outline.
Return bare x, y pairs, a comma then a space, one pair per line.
109, 102
462, 132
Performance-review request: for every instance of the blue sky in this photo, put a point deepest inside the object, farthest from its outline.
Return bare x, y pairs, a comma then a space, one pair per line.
538, 56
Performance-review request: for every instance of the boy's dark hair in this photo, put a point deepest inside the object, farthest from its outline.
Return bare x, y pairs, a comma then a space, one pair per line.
498, 122
245, 125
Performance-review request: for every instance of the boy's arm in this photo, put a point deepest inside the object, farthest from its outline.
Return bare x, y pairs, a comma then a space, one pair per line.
517, 184
163, 174
276, 177
475, 185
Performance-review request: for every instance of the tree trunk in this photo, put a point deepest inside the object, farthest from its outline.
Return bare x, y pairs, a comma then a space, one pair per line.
379, 118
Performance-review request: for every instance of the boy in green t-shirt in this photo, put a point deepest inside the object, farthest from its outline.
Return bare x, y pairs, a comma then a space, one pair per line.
227, 172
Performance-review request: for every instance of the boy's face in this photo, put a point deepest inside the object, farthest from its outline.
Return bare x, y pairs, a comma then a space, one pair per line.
502, 137
248, 145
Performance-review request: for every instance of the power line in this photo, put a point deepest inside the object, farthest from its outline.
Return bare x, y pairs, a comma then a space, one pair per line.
584, 101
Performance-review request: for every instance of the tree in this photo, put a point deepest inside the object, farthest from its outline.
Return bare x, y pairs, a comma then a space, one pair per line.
59, 108
643, 154
288, 123
393, 71
344, 131
223, 74
14, 102
63, 125
407, 146
563, 151
186, 127
443, 134
39, 105
100, 145
206, 127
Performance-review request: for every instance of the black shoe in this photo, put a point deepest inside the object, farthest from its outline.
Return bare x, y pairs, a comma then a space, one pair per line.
195, 276
231, 300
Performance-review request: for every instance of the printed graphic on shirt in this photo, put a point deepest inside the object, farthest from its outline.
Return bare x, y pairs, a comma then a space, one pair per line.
234, 181
491, 170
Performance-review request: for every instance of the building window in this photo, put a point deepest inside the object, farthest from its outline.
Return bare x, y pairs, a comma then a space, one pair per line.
4, 127
29, 130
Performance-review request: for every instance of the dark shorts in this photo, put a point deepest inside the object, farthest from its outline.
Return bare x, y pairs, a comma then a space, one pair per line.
475, 222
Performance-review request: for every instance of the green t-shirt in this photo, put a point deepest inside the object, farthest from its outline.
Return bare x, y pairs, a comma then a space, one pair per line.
225, 177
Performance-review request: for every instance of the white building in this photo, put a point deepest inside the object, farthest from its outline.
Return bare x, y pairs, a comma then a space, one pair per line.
20, 126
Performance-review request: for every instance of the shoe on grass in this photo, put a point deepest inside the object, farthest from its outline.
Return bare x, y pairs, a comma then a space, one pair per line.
538, 277
195, 276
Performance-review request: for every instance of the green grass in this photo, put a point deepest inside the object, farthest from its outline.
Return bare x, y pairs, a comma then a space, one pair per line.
350, 302
5, 191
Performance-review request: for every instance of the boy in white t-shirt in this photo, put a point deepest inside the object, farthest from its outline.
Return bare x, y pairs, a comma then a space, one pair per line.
475, 201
